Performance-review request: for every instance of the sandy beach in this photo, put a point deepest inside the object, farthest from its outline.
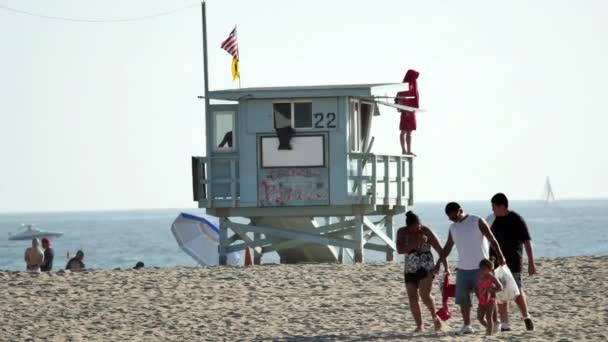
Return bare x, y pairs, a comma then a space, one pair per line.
362, 302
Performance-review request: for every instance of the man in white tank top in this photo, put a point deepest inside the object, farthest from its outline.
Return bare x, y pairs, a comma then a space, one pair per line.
470, 234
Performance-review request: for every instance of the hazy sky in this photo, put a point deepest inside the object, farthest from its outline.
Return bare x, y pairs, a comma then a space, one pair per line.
105, 116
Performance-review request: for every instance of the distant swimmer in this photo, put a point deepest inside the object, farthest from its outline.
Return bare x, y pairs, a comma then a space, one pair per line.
34, 257
408, 98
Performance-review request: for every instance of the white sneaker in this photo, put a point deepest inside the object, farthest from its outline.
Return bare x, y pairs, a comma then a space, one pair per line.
466, 329
504, 326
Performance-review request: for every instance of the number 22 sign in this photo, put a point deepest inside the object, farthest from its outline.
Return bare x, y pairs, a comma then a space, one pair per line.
327, 120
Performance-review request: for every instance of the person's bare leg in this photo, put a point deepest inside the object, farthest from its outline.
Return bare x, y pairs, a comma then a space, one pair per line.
481, 314
414, 300
465, 310
426, 287
503, 312
402, 139
408, 142
489, 321
522, 303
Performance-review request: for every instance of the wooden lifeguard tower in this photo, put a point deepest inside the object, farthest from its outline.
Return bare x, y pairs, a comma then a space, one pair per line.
304, 166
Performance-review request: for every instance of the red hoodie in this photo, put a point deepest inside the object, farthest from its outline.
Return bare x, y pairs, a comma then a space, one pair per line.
410, 77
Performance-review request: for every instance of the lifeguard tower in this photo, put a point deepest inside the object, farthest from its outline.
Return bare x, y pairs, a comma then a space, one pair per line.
304, 165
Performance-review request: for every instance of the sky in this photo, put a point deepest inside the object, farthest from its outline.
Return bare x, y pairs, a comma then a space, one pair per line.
105, 115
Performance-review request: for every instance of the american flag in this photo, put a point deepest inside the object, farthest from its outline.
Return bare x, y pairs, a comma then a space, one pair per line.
231, 44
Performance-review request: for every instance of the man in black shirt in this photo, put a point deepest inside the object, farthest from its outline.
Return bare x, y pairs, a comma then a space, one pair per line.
47, 265
512, 235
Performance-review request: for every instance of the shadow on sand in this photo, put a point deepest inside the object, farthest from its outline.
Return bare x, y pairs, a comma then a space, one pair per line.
358, 338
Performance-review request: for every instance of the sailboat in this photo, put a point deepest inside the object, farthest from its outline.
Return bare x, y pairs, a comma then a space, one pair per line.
548, 195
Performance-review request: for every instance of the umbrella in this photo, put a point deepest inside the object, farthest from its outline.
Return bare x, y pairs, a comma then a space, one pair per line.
199, 238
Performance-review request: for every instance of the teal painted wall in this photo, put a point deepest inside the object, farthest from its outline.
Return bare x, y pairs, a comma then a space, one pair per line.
255, 119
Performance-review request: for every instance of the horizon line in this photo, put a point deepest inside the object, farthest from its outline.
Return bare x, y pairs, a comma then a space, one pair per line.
66, 211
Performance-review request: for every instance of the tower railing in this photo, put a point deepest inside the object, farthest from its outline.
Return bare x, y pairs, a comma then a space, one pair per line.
381, 179
211, 186
373, 179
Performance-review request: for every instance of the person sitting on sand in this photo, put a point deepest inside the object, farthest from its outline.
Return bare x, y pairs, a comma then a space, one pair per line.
415, 241
76, 264
34, 257
139, 265
49, 255
487, 287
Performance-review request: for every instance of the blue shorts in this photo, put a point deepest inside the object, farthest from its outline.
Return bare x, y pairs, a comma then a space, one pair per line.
517, 277
466, 282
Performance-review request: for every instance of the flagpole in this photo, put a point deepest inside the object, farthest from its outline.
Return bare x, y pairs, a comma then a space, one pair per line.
205, 70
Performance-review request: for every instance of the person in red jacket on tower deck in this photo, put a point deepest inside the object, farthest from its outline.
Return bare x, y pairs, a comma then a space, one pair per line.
408, 98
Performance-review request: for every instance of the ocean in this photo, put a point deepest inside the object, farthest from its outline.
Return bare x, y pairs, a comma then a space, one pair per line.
119, 239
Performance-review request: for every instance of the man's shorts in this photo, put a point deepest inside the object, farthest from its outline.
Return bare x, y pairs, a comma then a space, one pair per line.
466, 282
518, 281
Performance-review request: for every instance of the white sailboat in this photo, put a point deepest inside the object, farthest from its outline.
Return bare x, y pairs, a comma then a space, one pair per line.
548, 195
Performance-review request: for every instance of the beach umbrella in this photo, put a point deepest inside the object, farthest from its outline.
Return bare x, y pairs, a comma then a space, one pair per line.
199, 238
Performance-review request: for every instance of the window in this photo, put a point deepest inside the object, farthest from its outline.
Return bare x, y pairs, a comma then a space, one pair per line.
294, 114
225, 139
302, 114
367, 111
282, 115
354, 126
360, 118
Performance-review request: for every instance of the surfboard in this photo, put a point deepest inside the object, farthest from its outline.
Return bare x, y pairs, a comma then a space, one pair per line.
401, 107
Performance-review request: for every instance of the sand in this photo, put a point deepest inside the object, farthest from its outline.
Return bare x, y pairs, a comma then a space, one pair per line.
568, 300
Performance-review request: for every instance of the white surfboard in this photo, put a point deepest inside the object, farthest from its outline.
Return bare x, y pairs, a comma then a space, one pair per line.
401, 107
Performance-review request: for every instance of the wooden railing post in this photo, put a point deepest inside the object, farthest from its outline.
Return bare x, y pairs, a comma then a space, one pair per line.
233, 182
360, 179
399, 180
410, 200
374, 179
387, 165
209, 182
